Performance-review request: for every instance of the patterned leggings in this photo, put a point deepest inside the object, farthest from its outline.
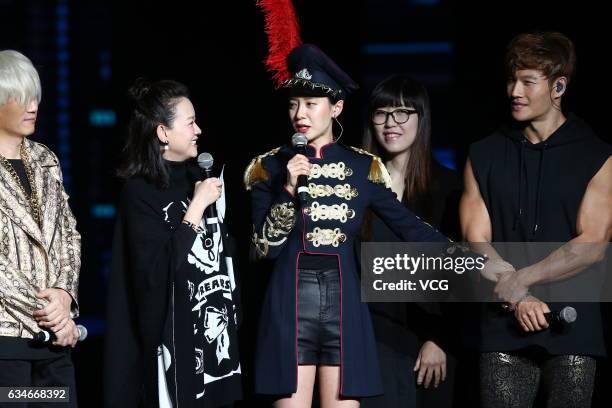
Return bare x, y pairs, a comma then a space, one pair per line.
512, 380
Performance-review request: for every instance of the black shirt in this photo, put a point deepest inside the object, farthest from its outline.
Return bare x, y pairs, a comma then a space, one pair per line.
17, 348
533, 193
20, 170
404, 326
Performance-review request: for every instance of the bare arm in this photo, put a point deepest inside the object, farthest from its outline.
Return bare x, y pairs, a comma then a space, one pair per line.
473, 214
476, 226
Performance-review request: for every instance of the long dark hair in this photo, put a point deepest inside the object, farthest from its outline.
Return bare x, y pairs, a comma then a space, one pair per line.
401, 90
154, 103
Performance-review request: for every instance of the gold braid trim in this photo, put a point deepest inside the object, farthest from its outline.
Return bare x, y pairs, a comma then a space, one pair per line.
378, 171
255, 171
291, 82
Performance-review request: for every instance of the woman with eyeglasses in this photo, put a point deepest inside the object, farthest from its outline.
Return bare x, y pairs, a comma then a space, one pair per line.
409, 336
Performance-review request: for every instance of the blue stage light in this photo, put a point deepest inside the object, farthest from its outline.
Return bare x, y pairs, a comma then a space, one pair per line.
408, 48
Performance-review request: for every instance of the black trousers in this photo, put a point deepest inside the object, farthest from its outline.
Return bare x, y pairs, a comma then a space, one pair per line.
399, 380
512, 380
54, 372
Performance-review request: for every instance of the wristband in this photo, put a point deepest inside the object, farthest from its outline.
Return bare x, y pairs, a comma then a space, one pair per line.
196, 228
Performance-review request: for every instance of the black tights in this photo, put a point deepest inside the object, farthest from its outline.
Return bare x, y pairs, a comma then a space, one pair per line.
512, 380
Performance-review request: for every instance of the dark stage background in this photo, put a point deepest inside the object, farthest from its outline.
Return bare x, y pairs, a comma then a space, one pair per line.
89, 52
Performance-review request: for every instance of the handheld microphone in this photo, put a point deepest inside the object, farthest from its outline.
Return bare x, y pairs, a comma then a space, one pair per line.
556, 319
46, 337
562, 317
206, 161
299, 142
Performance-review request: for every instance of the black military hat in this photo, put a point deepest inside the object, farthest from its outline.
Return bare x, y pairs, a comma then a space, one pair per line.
315, 74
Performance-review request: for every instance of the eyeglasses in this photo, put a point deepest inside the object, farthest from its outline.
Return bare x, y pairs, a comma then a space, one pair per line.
379, 117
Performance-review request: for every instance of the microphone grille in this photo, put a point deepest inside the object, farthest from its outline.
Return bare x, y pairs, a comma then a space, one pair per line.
298, 139
82, 332
568, 314
42, 336
205, 161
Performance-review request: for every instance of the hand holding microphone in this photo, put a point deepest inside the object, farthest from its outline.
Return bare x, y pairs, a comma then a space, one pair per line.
206, 161
206, 193
535, 315
298, 168
562, 317
68, 336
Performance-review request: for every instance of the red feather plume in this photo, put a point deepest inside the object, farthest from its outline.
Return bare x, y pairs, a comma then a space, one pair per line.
283, 32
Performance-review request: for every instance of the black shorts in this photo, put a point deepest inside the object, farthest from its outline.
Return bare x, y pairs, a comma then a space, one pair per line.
318, 317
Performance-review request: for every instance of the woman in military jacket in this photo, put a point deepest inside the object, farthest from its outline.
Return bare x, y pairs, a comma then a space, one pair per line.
342, 182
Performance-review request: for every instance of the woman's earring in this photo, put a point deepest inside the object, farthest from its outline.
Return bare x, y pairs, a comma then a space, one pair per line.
164, 144
341, 128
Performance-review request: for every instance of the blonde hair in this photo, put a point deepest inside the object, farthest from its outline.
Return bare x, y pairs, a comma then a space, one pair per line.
19, 80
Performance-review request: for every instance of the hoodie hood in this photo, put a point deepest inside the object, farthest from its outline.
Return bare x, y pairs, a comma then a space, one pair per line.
573, 130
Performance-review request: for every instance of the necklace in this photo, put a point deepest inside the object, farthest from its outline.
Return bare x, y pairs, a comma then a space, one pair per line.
32, 198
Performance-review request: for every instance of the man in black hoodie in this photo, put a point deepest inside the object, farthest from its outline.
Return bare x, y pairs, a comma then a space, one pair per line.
547, 178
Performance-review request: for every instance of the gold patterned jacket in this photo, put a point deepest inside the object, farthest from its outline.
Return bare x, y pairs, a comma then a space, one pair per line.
33, 257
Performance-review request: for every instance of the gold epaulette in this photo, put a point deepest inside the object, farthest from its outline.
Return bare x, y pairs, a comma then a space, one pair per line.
378, 171
255, 171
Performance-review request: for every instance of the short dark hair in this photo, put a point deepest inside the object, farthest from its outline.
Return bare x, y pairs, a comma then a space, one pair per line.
552, 53
154, 103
